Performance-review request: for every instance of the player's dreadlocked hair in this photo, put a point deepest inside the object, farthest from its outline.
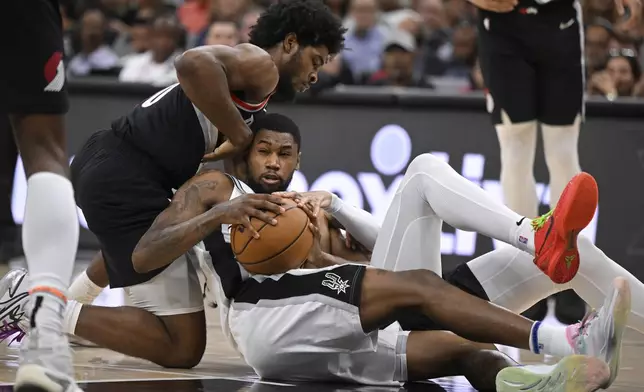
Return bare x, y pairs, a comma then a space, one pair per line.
310, 20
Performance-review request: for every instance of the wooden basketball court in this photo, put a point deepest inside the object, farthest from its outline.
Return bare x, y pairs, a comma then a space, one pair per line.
222, 370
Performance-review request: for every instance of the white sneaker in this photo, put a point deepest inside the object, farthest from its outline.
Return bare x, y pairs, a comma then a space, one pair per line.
45, 360
600, 333
575, 373
13, 293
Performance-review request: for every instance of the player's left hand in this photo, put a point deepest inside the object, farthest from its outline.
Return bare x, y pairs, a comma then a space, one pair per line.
311, 200
634, 10
225, 151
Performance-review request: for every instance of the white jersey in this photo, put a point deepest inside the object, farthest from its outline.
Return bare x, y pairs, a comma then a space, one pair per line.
223, 274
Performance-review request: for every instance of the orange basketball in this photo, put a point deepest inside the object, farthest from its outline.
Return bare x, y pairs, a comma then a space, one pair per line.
280, 248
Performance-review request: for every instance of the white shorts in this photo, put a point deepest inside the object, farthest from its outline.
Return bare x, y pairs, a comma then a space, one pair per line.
174, 291
305, 325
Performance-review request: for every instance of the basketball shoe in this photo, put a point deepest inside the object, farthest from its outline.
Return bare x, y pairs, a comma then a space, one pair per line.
13, 292
600, 333
45, 356
555, 236
574, 373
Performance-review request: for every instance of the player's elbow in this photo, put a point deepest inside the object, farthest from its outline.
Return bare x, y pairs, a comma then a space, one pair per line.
141, 261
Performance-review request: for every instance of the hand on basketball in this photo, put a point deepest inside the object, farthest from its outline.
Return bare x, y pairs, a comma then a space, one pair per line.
500, 6
240, 210
311, 200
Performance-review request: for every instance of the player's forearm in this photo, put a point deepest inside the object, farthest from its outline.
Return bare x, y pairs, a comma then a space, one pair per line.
158, 248
203, 78
358, 222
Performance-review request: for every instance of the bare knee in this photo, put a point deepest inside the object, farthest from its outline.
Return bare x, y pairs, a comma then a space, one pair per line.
187, 340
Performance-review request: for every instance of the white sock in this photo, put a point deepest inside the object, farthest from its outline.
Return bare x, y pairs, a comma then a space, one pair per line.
511, 280
84, 290
72, 312
562, 158
50, 240
550, 340
466, 206
518, 144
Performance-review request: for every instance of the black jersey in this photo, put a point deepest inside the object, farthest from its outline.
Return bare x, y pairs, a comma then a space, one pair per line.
553, 12
170, 129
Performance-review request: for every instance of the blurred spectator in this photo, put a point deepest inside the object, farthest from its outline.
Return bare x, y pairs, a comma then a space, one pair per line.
223, 33
95, 55
135, 41
604, 9
194, 15
434, 40
398, 63
464, 51
456, 11
598, 35
620, 77
339, 7
247, 22
228, 9
156, 66
364, 40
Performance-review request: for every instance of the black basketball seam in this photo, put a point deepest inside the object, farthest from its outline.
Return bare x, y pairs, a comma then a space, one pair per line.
306, 226
258, 230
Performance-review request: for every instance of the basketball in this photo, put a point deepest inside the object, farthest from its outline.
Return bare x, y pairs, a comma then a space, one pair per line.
280, 248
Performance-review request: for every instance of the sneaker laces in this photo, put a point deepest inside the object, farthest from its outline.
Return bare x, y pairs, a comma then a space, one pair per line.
581, 328
537, 223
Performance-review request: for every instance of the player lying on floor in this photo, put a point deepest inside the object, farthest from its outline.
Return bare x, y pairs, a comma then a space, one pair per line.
352, 300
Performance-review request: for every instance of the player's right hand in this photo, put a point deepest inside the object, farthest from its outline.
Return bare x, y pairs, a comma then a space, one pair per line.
311, 200
240, 210
500, 6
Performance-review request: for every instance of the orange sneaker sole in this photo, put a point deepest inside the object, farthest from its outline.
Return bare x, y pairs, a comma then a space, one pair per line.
574, 211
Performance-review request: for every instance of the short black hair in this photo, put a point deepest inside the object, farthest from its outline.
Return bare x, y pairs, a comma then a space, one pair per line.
311, 21
277, 123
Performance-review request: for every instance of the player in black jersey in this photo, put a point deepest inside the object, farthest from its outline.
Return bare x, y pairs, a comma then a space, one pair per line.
33, 94
533, 66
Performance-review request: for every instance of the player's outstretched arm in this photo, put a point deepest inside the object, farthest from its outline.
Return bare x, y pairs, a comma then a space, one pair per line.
184, 223
208, 74
199, 208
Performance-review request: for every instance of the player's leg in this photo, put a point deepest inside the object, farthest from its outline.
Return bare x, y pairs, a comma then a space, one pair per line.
508, 279
33, 94
384, 293
432, 191
561, 74
166, 325
512, 101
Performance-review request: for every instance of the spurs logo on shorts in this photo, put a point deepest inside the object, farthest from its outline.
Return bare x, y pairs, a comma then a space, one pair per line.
335, 283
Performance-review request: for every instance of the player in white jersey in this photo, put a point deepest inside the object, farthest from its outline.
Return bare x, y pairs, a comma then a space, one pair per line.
354, 301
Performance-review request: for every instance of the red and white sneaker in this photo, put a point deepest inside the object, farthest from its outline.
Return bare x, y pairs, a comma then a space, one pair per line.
556, 232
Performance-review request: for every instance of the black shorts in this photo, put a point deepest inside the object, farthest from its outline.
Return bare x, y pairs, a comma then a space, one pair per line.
32, 73
532, 64
121, 193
